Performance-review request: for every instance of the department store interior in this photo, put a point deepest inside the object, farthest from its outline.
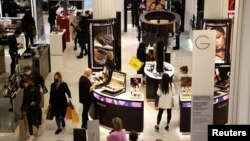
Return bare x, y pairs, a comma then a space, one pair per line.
202, 48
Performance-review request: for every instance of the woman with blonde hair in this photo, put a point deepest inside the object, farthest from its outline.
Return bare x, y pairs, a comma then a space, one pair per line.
118, 133
58, 100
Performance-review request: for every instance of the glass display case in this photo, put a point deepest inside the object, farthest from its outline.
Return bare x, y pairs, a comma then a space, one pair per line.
103, 44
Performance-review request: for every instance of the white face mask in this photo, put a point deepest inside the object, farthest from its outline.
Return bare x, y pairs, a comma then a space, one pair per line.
28, 72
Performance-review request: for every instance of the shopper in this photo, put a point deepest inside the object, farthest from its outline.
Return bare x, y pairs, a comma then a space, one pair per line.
83, 35
118, 133
58, 100
86, 94
12, 8
141, 55
28, 27
74, 24
39, 80
13, 47
165, 92
52, 16
133, 136
135, 12
30, 105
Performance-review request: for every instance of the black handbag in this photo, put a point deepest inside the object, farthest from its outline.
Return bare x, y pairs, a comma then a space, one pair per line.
49, 115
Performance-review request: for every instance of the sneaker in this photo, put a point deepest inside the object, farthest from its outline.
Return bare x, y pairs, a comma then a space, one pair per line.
58, 131
39, 132
31, 138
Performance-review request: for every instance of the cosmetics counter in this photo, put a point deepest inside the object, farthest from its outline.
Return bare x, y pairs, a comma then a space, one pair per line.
220, 111
106, 107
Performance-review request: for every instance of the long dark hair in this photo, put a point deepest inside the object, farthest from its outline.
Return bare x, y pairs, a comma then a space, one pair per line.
165, 81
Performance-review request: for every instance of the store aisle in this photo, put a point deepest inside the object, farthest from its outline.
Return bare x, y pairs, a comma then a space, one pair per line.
72, 68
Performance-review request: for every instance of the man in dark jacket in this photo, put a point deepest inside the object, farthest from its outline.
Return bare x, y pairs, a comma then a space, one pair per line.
13, 47
52, 16
86, 94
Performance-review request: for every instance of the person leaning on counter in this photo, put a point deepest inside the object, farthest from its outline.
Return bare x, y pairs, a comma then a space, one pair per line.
13, 47
86, 94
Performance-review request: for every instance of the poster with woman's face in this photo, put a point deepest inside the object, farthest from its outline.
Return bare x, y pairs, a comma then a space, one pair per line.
155, 5
221, 43
223, 37
103, 45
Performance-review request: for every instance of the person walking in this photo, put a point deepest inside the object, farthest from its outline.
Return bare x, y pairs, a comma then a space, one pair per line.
58, 100
28, 26
74, 24
31, 104
141, 55
165, 92
86, 94
13, 47
83, 35
39, 80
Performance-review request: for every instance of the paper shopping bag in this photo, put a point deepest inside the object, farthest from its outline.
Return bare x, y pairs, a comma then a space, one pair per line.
135, 63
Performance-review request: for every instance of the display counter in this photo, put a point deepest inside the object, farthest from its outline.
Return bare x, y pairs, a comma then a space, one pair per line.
9, 120
57, 42
220, 111
106, 107
40, 62
152, 78
63, 21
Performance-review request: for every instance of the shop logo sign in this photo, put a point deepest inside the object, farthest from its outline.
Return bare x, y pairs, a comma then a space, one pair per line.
202, 42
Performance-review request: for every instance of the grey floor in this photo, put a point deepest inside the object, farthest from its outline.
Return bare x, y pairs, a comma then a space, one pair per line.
72, 68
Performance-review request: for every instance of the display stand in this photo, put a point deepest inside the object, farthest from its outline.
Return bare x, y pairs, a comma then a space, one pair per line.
105, 43
57, 42
220, 111
131, 111
63, 21
40, 62
153, 78
9, 120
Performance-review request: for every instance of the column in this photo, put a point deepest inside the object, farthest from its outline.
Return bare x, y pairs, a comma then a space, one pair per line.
239, 104
216, 9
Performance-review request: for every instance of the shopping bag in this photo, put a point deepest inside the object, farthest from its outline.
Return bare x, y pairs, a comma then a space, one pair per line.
49, 115
135, 63
70, 108
75, 118
23, 127
46, 110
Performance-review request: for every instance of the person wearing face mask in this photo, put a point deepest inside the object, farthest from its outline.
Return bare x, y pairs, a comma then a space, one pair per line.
31, 105
58, 101
39, 80
86, 94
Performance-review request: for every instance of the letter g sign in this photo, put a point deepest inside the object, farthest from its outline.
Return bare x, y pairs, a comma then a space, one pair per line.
202, 42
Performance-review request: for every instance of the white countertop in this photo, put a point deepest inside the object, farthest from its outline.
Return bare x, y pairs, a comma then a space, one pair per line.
188, 96
58, 33
123, 96
153, 74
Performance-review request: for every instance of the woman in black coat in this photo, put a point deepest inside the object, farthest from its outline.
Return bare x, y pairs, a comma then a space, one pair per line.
58, 100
